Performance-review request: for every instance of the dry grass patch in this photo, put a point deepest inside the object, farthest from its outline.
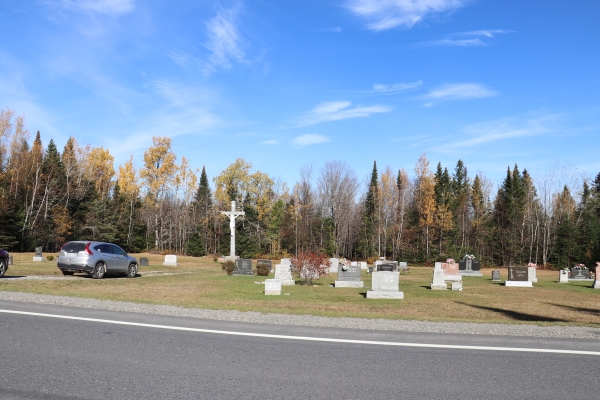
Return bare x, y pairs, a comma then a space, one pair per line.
200, 283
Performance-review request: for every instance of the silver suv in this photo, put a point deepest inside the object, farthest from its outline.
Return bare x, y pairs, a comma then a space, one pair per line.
96, 259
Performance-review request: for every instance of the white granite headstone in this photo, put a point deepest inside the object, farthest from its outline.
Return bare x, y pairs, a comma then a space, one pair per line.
335, 263
532, 274
272, 287
438, 278
563, 276
385, 285
170, 259
457, 286
363, 265
38, 254
283, 272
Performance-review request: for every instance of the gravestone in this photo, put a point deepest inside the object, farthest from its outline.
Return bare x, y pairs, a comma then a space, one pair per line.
386, 267
370, 270
518, 276
469, 267
143, 262
495, 275
532, 274
363, 265
563, 276
38, 254
349, 277
578, 274
170, 259
451, 272
10, 260
438, 282
334, 265
354, 263
457, 286
243, 266
283, 272
385, 285
286, 261
402, 265
596, 284
272, 287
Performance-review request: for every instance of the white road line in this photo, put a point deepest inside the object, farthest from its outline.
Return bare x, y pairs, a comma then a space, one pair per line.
307, 338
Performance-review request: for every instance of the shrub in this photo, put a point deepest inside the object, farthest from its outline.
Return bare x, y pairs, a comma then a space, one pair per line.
310, 267
262, 269
49, 258
228, 266
215, 259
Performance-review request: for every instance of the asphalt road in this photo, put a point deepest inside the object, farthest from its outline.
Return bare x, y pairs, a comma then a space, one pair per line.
113, 355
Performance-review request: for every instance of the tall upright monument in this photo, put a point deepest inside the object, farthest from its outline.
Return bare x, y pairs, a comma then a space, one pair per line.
232, 216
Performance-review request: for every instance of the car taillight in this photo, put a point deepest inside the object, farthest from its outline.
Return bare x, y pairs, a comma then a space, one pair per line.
87, 249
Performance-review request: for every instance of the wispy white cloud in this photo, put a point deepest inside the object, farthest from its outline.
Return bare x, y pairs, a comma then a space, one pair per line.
458, 91
108, 7
380, 88
387, 14
501, 130
270, 142
339, 110
487, 32
224, 41
310, 139
335, 29
458, 41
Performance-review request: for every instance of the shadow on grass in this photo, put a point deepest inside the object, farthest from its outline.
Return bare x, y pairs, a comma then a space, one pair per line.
12, 276
518, 316
592, 311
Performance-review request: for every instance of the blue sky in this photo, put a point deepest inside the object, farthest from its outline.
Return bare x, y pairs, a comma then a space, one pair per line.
293, 82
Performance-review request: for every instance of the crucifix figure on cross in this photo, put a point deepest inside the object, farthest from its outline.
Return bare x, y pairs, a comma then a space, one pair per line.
232, 216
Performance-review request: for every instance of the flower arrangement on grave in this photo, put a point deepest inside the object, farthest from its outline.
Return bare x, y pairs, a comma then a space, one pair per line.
450, 260
533, 265
344, 264
469, 257
579, 266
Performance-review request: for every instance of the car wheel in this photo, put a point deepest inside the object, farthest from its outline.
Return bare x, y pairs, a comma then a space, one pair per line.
131, 270
99, 271
2, 268
68, 272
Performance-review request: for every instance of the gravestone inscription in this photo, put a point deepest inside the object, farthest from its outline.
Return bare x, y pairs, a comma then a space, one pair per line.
518, 276
272, 287
349, 276
386, 267
385, 285
580, 273
38, 254
243, 266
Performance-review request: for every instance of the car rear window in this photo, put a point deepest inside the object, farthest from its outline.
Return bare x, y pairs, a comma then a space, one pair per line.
74, 247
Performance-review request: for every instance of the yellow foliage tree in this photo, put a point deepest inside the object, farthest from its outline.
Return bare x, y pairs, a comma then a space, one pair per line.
424, 195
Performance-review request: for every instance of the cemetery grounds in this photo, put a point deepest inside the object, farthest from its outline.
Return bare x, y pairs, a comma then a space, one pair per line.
199, 282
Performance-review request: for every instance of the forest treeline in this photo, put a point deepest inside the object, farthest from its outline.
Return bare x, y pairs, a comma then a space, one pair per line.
48, 197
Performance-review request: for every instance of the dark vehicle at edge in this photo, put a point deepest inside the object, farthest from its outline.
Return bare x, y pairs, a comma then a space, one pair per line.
3, 262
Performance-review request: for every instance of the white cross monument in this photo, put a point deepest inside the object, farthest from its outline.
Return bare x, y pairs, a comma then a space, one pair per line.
232, 216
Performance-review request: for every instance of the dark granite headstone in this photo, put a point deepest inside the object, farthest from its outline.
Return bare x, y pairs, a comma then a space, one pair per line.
495, 275
352, 273
475, 265
243, 266
143, 262
580, 273
462, 265
38, 252
385, 267
519, 274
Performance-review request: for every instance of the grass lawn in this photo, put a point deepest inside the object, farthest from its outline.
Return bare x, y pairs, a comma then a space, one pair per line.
200, 283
